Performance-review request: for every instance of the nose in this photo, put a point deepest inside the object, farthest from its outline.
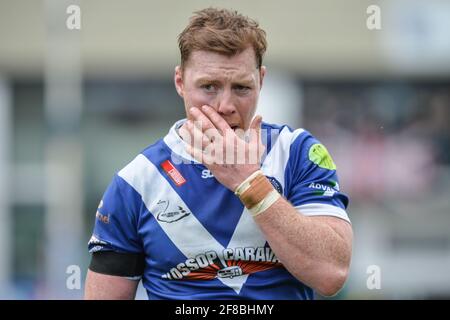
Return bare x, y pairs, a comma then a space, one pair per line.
225, 104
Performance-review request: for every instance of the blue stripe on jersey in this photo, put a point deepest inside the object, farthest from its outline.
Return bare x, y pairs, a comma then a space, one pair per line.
214, 223
197, 191
162, 255
116, 223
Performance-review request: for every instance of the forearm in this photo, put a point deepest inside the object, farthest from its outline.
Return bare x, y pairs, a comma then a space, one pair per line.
316, 250
310, 248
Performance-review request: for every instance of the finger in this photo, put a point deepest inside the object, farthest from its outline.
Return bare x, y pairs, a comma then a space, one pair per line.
201, 121
256, 147
217, 120
185, 134
198, 139
255, 129
256, 122
202, 149
195, 153
199, 156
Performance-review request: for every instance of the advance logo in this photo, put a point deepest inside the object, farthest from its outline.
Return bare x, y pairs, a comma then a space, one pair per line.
324, 190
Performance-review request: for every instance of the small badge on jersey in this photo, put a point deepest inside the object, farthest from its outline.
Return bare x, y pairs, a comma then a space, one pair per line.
276, 184
173, 173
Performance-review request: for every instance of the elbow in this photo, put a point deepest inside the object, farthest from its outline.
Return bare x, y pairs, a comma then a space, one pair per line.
331, 285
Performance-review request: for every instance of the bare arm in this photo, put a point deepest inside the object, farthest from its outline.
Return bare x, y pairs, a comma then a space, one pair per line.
105, 287
316, 250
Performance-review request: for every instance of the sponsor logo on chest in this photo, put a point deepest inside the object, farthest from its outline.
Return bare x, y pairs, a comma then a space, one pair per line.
173, 173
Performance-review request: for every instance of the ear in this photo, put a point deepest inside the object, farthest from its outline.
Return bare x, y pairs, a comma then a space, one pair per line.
178, 80
262, 73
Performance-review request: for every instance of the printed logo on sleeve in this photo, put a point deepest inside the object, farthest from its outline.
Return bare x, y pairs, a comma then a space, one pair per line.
325, 190
96, 244
319, 155
100, 216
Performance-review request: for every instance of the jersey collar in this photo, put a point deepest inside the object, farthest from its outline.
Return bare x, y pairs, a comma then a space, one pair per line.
178, 145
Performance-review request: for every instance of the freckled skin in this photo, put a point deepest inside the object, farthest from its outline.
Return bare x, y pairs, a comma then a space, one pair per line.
236, 105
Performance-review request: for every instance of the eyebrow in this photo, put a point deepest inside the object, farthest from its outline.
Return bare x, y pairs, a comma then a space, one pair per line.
246, 81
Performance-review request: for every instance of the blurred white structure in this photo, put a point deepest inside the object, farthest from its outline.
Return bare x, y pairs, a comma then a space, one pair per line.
280, 101
5, 187
63, 156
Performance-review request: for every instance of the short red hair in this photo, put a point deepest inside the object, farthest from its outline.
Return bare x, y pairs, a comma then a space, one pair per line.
222, 31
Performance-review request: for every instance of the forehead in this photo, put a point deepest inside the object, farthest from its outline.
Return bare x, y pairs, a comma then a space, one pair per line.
212, 64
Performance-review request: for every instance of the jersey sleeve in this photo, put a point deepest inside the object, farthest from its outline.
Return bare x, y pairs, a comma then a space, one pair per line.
312, 181
116, 221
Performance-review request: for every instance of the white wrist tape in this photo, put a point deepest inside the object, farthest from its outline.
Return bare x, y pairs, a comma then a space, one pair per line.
246, 183
264, 204
257, 193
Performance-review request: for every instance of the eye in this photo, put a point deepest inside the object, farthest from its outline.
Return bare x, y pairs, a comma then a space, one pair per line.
242, 89
209, 88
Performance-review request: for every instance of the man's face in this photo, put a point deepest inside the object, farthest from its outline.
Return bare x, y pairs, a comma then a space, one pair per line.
230, 85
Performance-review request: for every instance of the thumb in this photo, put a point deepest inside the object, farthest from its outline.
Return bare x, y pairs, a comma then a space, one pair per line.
255, 128
256, 122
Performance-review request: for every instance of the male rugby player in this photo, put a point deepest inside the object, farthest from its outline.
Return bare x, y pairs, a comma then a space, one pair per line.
225, 206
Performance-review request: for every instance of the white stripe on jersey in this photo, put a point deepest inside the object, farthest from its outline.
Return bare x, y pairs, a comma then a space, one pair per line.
274, 165
276, 161
145, 178
153, 187
322, 209
178, 145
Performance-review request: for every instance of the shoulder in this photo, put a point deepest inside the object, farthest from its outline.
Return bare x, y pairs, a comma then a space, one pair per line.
296, 150
285, 140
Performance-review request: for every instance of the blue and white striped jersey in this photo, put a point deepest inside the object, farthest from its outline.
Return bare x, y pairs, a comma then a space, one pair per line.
198, 239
